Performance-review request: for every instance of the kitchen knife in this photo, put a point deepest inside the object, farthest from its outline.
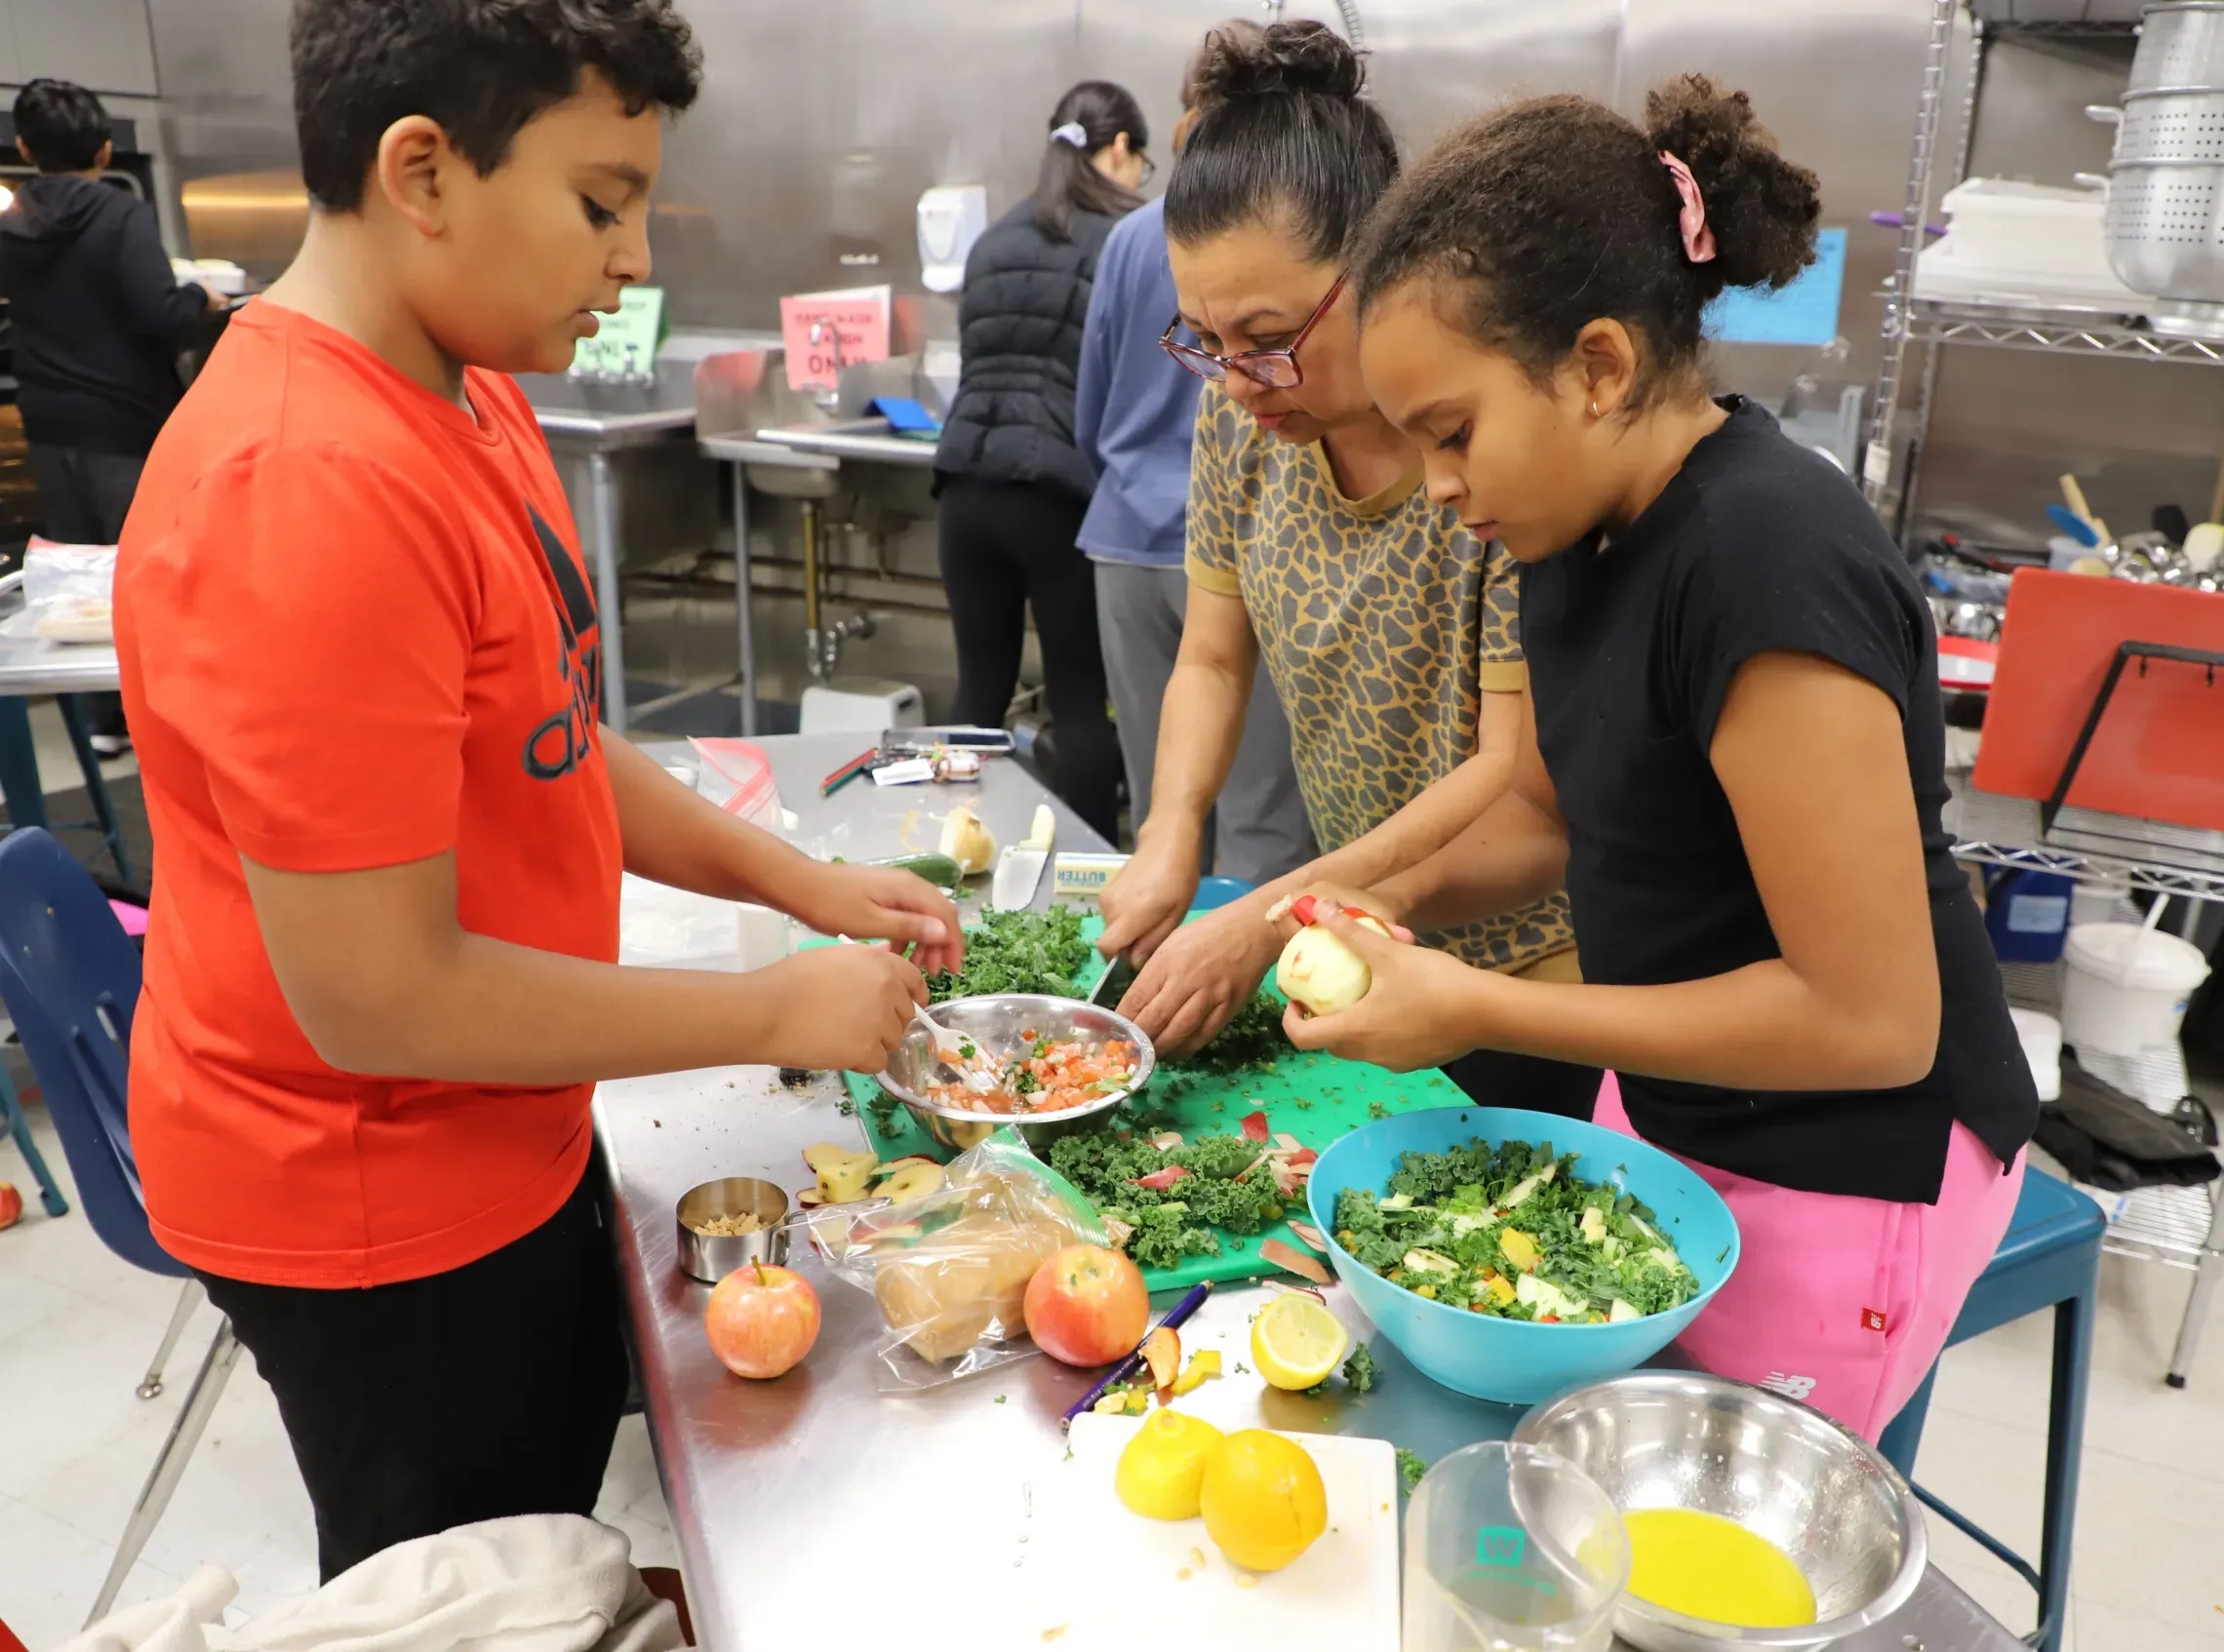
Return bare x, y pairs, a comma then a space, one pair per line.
1020, 869
1112, 985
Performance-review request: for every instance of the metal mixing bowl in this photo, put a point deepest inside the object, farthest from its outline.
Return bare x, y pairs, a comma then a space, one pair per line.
996, 1023
1683, 1440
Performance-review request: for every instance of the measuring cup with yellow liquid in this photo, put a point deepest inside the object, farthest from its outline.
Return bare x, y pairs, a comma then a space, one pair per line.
1511, 1549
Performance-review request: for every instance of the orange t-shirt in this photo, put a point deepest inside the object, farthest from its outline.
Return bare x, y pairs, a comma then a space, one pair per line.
355, 632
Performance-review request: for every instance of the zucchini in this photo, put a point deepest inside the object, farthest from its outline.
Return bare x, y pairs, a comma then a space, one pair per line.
939, 869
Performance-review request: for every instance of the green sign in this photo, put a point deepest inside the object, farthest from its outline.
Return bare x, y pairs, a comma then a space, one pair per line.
625, 345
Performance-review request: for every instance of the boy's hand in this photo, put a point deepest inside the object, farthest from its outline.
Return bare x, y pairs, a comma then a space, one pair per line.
836, 1007
882, 903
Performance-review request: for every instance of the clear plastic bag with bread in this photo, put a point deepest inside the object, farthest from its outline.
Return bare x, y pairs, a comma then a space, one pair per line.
950, 1271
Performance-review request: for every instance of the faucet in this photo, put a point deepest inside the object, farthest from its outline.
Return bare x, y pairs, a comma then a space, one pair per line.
825, 332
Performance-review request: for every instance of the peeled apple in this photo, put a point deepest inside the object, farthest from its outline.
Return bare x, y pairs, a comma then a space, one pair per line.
1318, 971
966, 840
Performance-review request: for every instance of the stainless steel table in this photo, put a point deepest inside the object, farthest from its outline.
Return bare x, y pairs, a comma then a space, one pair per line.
864, 447
808, 1508
32, 666
739, 453
602, 419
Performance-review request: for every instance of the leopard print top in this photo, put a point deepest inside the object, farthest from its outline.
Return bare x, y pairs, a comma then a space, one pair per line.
1382, 621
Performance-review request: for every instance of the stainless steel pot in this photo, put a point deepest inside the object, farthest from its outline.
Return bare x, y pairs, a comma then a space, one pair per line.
2165, 229
2181, 48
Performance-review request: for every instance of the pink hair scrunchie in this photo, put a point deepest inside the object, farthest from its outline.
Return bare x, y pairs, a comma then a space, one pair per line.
1698, 239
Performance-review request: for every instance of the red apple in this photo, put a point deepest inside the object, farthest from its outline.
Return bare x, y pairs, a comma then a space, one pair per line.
762, 1320
1087, 1306
11, 1204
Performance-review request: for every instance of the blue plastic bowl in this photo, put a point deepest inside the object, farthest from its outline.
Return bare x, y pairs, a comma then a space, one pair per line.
1512, 1360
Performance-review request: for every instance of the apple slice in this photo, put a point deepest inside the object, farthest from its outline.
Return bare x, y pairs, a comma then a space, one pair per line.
915, 1180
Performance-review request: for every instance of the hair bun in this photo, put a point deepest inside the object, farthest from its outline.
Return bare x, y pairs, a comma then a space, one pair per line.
1761, 208
1281, 60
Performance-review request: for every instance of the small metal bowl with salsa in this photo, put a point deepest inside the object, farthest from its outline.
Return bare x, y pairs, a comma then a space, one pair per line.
1059, 1064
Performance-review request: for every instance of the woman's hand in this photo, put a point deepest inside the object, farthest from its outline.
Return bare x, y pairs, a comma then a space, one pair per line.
1423, 1009
881, 903
836, 1009
1149, 897
1204, 974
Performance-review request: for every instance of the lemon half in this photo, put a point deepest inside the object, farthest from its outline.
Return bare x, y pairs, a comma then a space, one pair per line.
1162, 1470
1263, 1500
1298, 1343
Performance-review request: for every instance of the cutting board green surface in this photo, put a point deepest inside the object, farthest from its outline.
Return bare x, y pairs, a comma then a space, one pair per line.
1315, 1097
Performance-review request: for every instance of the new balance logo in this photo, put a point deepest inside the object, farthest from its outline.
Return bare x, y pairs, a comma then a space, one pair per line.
1790, 1387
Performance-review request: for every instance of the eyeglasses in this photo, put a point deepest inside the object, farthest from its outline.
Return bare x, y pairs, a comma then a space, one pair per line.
1277, 369
1150, 170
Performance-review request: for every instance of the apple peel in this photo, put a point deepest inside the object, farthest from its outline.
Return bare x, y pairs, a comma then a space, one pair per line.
1293, 1261
1162, 1356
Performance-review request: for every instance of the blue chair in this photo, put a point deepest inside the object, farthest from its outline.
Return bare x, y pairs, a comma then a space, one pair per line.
1213, 893
2050, 1258
70, 978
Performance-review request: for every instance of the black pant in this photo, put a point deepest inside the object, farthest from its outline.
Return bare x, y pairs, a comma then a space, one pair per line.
1492, 1078
491, 1389
1009, 546
84, 498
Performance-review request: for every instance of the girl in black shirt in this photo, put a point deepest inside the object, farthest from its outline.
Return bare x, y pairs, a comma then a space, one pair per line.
1737, 749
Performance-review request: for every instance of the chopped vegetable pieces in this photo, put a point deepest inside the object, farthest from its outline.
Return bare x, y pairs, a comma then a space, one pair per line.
1508, 1230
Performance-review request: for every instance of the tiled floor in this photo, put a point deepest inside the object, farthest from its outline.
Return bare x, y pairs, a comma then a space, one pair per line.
77, 1328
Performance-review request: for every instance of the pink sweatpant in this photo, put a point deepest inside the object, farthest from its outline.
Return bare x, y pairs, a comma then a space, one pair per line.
1844, 1303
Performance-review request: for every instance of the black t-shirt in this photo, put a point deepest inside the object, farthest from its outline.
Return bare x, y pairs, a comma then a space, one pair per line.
1757, 545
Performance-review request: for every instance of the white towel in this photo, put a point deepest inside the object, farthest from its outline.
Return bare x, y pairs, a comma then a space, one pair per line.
535, 1583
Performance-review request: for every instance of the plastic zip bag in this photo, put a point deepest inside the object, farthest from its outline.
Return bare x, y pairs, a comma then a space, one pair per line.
69, 591
950, 1270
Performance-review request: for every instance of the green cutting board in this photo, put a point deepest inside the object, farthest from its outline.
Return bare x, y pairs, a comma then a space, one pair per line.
1315, 1097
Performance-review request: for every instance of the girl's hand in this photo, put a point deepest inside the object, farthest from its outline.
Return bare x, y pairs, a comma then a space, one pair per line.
882, 903
1422, 1009
1340, 898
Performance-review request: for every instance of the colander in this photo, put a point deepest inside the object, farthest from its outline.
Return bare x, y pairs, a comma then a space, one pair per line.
2165, 229
2166, 128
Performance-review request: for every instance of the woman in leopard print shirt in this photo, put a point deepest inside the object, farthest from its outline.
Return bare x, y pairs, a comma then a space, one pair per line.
1386, 628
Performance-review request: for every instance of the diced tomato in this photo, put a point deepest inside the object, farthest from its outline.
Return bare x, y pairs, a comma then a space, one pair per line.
1255, 1127
1548, 1319
1160, 1180
1303, 1157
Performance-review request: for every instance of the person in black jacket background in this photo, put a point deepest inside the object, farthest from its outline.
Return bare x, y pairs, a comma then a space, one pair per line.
97, 321
1013, 484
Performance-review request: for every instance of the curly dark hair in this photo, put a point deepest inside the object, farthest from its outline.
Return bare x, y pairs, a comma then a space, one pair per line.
481, 68
1536, 220
1281, 127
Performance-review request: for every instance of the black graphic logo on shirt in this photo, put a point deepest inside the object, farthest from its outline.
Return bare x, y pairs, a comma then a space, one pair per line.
562, 741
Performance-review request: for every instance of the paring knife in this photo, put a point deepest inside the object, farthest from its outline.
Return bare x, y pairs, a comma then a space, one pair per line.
1020, 869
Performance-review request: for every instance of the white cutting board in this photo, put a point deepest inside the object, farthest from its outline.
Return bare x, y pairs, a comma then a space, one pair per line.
1111, 1578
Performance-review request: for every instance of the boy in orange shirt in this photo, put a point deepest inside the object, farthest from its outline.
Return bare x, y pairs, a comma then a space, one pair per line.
361, 655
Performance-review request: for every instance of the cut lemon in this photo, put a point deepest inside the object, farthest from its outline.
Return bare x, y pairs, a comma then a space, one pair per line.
1298, 1343
1263, 1500
1162, 1471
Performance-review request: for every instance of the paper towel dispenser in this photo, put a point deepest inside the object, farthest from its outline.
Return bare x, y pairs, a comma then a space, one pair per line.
951, 218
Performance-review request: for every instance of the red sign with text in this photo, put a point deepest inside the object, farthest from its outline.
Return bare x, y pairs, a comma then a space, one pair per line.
858, 318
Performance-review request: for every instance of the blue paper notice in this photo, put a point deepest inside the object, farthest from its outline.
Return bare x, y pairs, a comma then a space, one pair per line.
1804, 313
